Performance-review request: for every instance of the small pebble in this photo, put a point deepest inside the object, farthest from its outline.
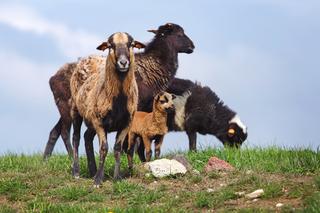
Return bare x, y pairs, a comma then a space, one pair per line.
249, 172
255, 194
196, 172
279, 205
209, 190
240, 194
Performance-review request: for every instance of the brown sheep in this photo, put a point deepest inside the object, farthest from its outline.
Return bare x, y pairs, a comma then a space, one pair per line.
155, 68
106, 97
151, 126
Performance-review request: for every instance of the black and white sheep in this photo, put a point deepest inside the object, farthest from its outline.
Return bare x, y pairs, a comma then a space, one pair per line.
199, 110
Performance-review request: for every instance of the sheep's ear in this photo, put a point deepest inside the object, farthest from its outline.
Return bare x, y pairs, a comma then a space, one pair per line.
153, 31
138, 45
156, 98
105, 45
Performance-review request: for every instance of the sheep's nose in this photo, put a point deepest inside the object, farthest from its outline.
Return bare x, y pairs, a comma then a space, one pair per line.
123, 62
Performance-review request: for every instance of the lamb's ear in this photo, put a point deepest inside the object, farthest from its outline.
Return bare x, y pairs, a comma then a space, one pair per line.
138, 45
158, 96
105, 45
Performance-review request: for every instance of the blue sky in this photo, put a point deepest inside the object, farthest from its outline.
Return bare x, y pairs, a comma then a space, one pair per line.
260, 56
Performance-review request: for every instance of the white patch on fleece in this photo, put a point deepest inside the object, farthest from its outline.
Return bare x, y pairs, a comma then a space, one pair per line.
236, 119
179, 104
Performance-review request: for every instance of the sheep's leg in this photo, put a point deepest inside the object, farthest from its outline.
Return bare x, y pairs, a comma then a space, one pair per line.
192, 141
88, 139
158, 144
131, 145
103, 150
147, 145
65, 134
121, 135
141, 149
53, 137
77, 121
125, 145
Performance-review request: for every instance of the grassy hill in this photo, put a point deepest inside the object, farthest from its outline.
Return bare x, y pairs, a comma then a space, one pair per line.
291, 177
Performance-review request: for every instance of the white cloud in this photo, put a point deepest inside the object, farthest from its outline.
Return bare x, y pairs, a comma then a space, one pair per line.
72, 43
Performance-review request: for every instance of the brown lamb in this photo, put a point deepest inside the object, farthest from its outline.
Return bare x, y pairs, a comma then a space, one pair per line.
151, 126
106, 97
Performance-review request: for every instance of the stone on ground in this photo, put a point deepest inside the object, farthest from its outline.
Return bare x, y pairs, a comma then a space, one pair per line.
216, 164
165, 167
279, 205
255, 194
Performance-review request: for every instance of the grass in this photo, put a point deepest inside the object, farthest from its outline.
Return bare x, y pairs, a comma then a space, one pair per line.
27, 184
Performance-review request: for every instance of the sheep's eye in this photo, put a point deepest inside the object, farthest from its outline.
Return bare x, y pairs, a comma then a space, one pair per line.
162, 101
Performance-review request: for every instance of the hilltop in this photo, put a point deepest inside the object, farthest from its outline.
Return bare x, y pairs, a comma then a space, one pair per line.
288, 176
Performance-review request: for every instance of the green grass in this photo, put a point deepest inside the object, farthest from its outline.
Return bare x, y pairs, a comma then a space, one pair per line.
265, 160
28, 184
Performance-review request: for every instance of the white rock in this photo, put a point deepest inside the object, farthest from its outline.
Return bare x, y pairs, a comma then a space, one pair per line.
255, 200
164, 167
279, 205
196, 172
240, 194
209, 190
249, 172
255, 194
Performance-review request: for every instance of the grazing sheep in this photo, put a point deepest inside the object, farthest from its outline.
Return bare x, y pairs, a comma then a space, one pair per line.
150, 126
105, 97
205, 113
155, 68
199, 110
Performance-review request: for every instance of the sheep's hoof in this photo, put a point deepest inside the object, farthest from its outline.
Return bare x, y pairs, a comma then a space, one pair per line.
117, 178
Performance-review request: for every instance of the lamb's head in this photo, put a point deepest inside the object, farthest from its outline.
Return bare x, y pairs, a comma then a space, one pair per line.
175, 36
235, 134
164, 102
120, 47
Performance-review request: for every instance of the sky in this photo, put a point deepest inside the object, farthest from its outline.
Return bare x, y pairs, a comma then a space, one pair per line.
260, 56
